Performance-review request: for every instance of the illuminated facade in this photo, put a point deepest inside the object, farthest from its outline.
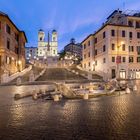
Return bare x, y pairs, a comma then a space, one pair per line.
31, 53
12, 43
114, 50
49, 47
74, 48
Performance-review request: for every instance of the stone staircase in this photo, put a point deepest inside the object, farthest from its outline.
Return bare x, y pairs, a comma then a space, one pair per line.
59, 74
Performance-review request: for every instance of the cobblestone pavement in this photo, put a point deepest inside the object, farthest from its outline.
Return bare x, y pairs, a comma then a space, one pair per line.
105, 118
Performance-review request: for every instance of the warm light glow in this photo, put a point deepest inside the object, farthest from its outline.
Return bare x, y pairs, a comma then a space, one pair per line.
19, 62
93, 62
122, 42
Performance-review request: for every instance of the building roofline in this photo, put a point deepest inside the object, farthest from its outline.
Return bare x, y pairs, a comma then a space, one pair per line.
103, 28
5, 15
78, 44
114, 13
87, 38
110, 25
132, 16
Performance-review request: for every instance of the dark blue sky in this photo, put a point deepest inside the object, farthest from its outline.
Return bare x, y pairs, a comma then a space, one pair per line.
71, 18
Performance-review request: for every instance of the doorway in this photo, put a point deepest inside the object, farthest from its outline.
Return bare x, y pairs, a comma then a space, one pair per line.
113, 73
122, 74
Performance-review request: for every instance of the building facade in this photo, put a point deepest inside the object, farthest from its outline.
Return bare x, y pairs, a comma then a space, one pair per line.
31, 53
114, 50
74, 48
12, 43
47, 47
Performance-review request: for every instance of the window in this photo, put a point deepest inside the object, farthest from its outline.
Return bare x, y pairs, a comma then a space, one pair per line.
54, 39
41, 39
16, 37
84, 56
10, 60
95, 52
112, 32
138, 59
123, 33
96, 62
104, 48
95, 40
104, 34
89, 43
113, 46
130, 23
8, 44
123, 59
104, 60
113, 59
84, 46
131, 48
53, 51
123, 47
89, 54
138, 50
131, 59
16, 50
89, 64
137, 24
7, 60
8, 29
138, 35
130, 34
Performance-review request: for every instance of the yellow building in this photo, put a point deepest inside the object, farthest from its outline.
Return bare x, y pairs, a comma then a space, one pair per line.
114, 50
12, 43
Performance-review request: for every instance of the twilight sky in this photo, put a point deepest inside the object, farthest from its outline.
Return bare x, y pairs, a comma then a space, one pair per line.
71, 18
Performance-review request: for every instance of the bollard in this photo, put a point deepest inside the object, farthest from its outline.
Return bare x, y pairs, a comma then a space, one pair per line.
81, 86
135, 88
56, 98
127, 91
34, 96
85, 97
18, 82
43, 91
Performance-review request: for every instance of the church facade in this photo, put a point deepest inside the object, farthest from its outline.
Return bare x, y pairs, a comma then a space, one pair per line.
47, 47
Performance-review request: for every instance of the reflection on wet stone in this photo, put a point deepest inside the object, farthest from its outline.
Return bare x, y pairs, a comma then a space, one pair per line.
106, 118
